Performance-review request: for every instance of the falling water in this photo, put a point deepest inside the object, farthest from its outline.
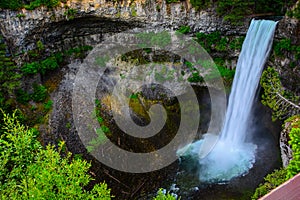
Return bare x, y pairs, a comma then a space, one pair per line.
232, 155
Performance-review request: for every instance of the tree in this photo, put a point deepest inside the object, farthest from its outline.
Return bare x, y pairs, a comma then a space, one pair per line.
234, 10
283, 103
30, 171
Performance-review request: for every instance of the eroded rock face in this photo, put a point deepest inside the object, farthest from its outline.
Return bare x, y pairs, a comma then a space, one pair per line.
288, 64
285, 148
22, 32
98, 19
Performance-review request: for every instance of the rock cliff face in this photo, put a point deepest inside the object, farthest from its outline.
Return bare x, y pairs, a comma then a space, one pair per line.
288, 64
285, 148
42, 23
88, 22
97, 19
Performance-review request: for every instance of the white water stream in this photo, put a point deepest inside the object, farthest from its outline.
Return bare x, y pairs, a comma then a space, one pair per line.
231, 155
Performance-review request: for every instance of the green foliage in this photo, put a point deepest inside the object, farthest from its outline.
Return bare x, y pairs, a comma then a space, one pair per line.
32, 5
100, 132
78, 52
68, 125
234, 10
28, 4
40, 45
294, 165
39, 93
285, 45
37, 3
11, 4
207, 41
52, 62
195, 78
222, 45
274, 95
216, 42
152, 39
276, 7
184, 29
225, 72
30, 68
133, 96
237, 43
29, 171
295, 12
271, 181
22, 96
48, 64
200, 4
20, 15
42, 67
70, 13
48, 105
172, 1
133, 10
278, 177
162, 196
282, 45
9, 78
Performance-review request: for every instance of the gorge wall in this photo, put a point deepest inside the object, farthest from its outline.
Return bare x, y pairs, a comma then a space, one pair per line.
88, 22
98, 19
41, 23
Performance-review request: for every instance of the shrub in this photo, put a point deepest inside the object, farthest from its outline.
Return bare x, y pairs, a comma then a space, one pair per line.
162, 196
195, 78
39, 93
184, 29
200, 4
285, 45
20, 15
276, 97
22, 96
294, 166
271, 181
48, 105
43, 66
48, 64
11, 4
278, 177
70, 13
172, 1
40, 45
234, 10
9, 78
207, 41
29, 171
30, 68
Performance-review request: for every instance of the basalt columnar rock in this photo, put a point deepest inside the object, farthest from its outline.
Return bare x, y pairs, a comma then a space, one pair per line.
97, 19
101, 17
90, 22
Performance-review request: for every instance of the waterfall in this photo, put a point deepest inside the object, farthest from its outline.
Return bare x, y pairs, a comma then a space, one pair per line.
232, 155
255, 51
